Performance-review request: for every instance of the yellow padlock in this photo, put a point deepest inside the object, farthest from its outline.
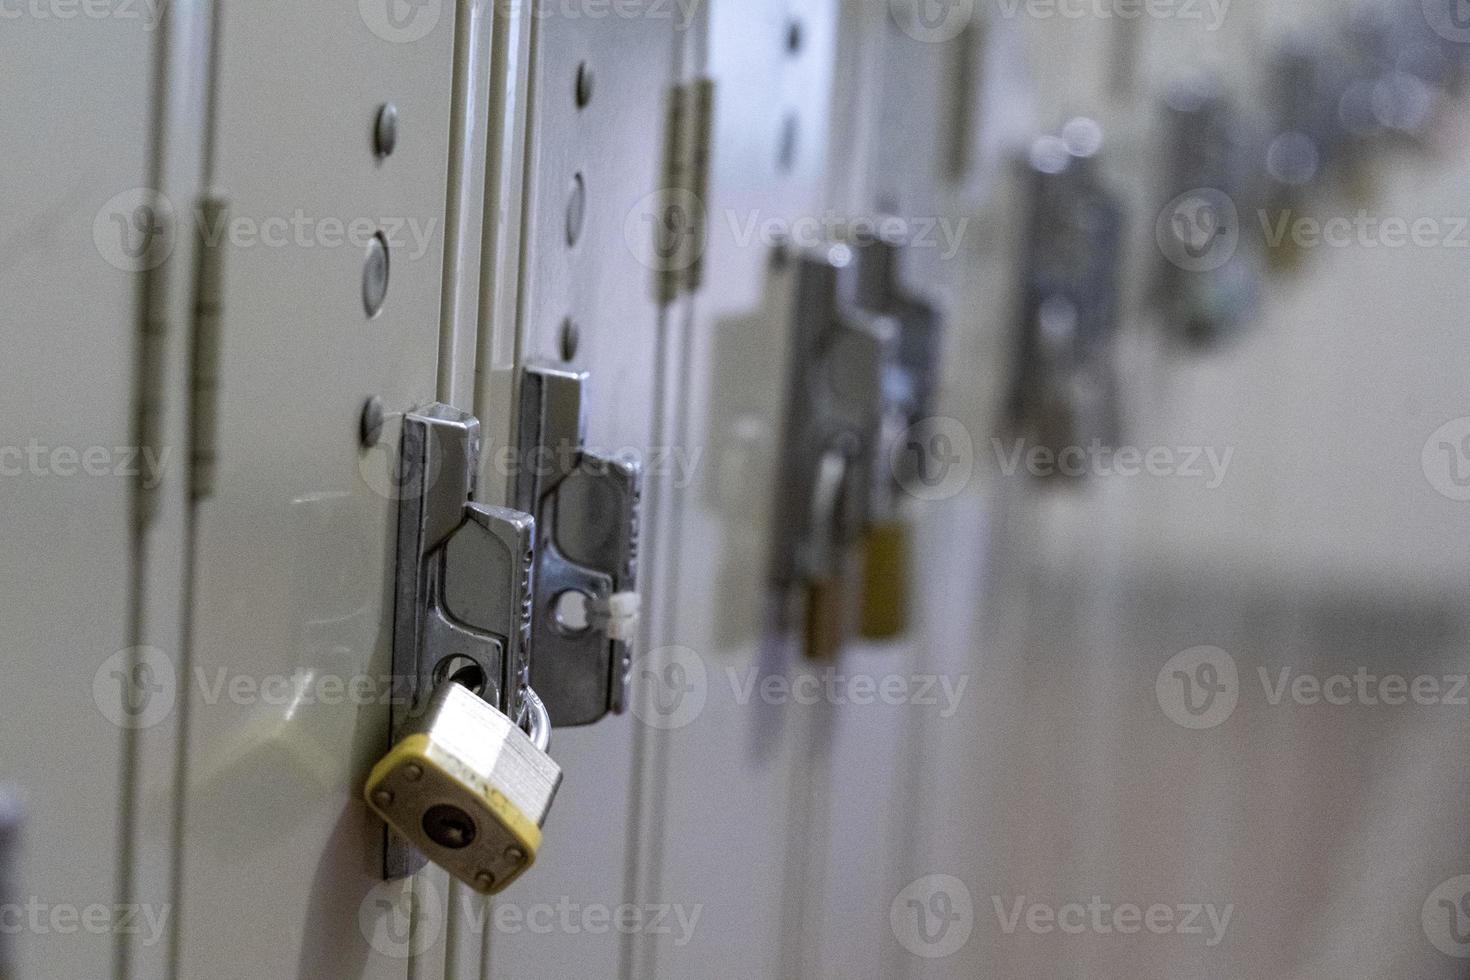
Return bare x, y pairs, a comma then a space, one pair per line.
886, 577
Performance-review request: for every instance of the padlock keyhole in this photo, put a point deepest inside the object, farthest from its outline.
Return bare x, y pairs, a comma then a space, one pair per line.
449, 826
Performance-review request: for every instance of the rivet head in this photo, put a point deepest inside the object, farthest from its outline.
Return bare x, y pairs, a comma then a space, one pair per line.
515, 854
371, 425
375, 276
383, 798
484, 881
413, 772
385, 132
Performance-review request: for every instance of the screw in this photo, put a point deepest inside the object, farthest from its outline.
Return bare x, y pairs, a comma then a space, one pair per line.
370, 428
383, 798
375, 276
584, 85
385, 133
571, 338
484, 881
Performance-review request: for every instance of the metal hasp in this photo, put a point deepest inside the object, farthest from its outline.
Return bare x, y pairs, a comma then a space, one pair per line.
842, 356
461, 609
1064, 395
1211, 270
585, 611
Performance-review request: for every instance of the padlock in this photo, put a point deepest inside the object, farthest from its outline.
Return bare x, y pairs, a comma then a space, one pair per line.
886, 576
468, 788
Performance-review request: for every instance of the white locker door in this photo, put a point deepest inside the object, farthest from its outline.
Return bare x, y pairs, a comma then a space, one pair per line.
599, 86
76, 118
282, 680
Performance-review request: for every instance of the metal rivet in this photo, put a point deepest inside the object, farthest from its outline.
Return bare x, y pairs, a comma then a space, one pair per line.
515, 854
571, 338
576, 209
413, 773
375, 276
371, 425
383, 798
584, 85
385, 133
484, 881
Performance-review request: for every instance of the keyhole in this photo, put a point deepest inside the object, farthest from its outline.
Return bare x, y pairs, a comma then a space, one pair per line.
449, 826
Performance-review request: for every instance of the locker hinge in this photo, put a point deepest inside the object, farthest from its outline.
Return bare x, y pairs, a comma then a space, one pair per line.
204, 379
680, 233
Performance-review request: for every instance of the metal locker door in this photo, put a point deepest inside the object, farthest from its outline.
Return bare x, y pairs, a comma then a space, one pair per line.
588, 301
724, 801
282, 680
68, 461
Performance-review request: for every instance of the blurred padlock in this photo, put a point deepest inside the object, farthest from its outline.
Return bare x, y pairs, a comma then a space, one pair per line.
887, 575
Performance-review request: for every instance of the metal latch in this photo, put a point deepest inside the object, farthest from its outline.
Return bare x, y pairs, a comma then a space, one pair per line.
585, 610
841, 357
462, 606
1065, 393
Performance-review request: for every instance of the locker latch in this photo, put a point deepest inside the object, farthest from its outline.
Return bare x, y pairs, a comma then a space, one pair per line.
843, 355
460, 623
1065, 392
584, 614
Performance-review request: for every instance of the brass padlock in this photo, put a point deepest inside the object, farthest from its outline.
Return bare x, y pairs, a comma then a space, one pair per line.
468, 788
885, 600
